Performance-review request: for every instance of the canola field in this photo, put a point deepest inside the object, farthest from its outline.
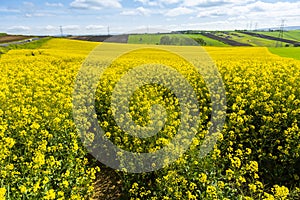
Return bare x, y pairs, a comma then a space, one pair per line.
256, 155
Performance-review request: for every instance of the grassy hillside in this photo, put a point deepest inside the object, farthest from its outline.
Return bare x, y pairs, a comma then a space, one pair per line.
209, 41
254, 41
144, 39
290, 35
155, 39
292, 52
31, 45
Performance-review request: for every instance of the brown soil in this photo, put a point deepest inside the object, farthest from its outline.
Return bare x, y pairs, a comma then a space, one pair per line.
107, 185
270, 37
103, 38
224, 40
12, 38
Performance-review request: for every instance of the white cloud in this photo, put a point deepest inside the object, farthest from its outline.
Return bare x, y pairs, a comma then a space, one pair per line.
144, 11
272, 12
95, 4
210, 13
19, 28
169, 1
94, 27
179, 11
148, 2
28, 4
211, 3
39, 14
129, 12
284, 7
54, 4
138, 11
8, 10
142, 1
171, 14
71, 27
267, 9
264, 14
51, 28
160, 3
171, 19
149, 29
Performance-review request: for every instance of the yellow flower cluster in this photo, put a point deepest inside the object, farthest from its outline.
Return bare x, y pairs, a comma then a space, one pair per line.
261, 129
2, 193
38, 140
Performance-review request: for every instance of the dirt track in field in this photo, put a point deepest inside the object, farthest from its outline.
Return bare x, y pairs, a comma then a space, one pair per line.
107, 185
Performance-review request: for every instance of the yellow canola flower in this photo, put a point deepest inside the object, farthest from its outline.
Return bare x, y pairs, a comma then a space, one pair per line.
202, 178
211, 190
235, 162
50, 194
253, 166
2, 193
280, 192
252, 187
23, 189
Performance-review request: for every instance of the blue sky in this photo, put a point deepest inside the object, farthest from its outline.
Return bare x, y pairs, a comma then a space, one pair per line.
44, 17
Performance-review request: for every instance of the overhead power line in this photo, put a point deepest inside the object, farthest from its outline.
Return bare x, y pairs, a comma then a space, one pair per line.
61, 31
280, 36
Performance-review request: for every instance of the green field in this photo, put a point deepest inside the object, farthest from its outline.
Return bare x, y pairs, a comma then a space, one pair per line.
232, 35
144, 39
209, 41
254, 41
155, 39
292, 52
290, 35
31, 45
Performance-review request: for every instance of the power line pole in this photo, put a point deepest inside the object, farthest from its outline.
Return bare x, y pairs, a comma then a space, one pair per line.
280, 36
61, 31
107, 30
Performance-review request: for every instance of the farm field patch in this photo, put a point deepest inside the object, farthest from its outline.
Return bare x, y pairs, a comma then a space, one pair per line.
290, 35
156, 39
292, 52
11, 38
254, 41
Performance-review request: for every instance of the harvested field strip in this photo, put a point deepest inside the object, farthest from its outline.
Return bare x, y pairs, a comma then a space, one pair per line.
270, 37
225, 40
12, 38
